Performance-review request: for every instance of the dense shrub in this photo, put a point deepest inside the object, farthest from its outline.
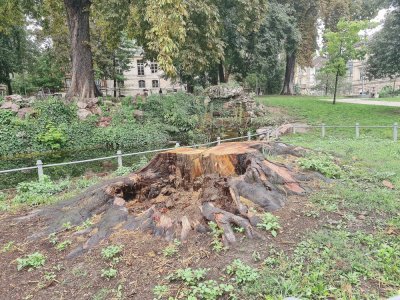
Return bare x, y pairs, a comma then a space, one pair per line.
388, 91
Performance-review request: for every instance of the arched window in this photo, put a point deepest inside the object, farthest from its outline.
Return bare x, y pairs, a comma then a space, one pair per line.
142, 84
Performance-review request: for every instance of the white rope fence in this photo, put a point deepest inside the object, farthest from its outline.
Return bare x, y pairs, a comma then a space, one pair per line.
40, 166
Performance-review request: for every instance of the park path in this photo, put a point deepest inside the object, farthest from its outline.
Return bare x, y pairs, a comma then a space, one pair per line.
367, 102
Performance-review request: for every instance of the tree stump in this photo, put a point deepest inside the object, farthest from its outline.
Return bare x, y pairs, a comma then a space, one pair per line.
180, 190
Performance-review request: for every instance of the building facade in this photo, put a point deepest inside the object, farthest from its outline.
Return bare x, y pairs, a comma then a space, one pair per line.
143, 78
356, 81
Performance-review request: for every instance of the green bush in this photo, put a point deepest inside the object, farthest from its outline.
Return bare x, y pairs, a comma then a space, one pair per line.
54, 137
6, 116
38, 192
388, 91
323, 164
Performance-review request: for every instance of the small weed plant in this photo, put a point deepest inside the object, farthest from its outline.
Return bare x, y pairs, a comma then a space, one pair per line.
270, 223
63, 245
322, 164
122, 171
242, 273
109, 273
172, 249
160, 291
112, 253
53, 239
216, 234
32, 261
189, 276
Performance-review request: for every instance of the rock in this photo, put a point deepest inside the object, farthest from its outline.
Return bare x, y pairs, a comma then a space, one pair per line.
23, 112
138, 113
81, 104
119, 201
14, 98
169, 203
388, 184
10, 105
104, 122
92, 102
83, 113
224, 92
95, 110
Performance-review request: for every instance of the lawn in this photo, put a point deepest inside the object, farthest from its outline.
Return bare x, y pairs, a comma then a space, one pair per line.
342, 241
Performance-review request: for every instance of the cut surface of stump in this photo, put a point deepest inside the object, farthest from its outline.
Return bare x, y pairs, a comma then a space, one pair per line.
181, 190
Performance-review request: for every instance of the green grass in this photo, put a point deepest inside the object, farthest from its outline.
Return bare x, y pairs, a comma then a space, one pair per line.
315, 111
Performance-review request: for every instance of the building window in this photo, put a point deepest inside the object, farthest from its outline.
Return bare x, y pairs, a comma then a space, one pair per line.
154, 83
154, 67
140, 67
142, 84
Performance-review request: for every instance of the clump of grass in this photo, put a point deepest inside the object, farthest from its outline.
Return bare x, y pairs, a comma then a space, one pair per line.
322, 164
31, 261
270, 223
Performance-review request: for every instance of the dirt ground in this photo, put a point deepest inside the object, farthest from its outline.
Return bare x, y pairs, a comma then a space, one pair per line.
142, 264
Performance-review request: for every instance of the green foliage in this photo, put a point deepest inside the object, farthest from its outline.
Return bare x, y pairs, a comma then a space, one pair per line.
242, 273
8, 247
322, 164
6, 116
63, 245
189, 276
385, 63
160, 291
341, 47
122, 171
210, 290
31, 261
38, 192
54, 138
86, 224
270, 223
109, 273
112, 252
143, 161
53, 239
216, 234
388, 91
172, 248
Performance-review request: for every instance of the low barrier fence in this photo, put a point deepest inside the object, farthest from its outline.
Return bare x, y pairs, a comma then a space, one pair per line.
269, 134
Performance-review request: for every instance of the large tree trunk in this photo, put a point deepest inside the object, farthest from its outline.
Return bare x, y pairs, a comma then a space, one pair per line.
82, 81
181, 190
221, 73
288, 84
9, 87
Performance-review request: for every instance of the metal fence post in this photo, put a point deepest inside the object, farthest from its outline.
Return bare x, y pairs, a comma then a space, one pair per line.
357, 130
395, 131
177, 145
218, 141
119, 158
40, 169
294, 129
248, 135
323, 130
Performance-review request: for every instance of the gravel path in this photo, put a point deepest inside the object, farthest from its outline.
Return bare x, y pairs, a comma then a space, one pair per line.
366, 102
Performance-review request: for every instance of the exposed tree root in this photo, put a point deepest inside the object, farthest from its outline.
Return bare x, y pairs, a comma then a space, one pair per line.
179, 190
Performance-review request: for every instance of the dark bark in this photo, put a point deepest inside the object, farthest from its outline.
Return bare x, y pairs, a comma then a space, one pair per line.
336, 84
9, 87
82, 75
221, 73
288, 84
115, 77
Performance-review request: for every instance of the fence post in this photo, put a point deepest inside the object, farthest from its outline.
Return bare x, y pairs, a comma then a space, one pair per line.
323, 130
40, 169
119, 158
294, 129
357, 130
177, 145
248, 135
395, 131
218, 141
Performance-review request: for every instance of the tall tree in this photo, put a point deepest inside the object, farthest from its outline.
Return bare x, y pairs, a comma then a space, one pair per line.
342, 46
306, 16
384, 54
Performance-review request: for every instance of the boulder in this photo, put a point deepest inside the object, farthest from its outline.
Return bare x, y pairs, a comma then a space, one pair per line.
138, 113
224, 91
95, 110
84, 113
10, 105
104, 122
14, 98
23, 112
81, 104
